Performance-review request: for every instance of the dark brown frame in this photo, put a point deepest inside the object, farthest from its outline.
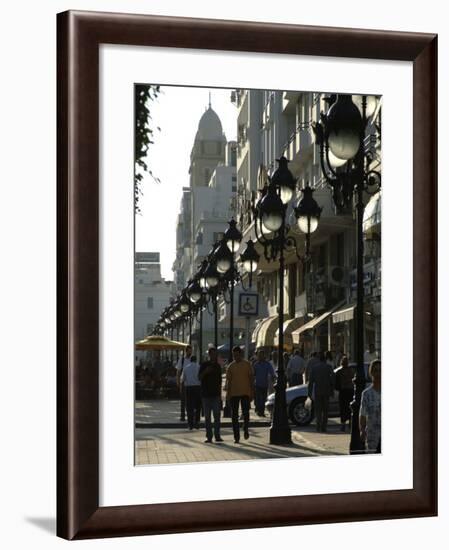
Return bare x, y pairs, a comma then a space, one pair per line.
79, 36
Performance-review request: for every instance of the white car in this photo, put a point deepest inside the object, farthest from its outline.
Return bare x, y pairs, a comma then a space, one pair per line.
296, 397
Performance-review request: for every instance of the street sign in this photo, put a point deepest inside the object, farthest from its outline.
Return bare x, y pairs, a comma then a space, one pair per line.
248, 304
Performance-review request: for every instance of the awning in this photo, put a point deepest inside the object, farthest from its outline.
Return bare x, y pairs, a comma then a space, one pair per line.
345, 314
314, 323
263, 335
289, 327
259, 323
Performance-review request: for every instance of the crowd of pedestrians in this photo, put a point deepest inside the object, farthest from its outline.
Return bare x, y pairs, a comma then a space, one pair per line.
205, 386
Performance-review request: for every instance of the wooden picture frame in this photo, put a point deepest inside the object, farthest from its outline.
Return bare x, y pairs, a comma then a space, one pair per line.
79, 37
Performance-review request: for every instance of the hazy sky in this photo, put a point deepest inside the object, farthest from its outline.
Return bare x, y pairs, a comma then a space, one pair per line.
177, 112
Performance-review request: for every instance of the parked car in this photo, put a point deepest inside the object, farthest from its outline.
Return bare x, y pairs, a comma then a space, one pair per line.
296, 398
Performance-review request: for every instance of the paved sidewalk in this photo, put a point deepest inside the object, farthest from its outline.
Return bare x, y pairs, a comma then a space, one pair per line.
171, 446
164, 413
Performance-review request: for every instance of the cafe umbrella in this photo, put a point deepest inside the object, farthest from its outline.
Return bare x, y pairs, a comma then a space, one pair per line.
156, 343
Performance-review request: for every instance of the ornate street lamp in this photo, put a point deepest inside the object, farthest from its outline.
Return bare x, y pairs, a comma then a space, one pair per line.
273, 233
224, 257
194, 291
250, 260
341, 133
232, 236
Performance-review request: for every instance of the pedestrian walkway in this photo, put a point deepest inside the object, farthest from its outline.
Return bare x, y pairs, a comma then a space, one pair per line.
159, 413
172, 446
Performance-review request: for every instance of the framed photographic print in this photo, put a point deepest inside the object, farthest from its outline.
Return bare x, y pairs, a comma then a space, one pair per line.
210, 168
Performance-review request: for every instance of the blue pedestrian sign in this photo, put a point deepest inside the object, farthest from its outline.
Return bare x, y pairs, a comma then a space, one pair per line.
248, 304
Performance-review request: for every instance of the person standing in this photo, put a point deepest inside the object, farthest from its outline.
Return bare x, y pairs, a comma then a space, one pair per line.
239, 391
370, 354
210, 378
329, 359
313, 359
295, 369
182, 362
263, 375
370, 410
344, 384
274, 360
321, 387
192, 385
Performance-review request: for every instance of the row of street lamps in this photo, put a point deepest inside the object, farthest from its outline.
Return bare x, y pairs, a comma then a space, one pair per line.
345, 165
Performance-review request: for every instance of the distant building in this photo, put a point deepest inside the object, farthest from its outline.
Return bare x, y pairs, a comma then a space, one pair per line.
206, 206
152, 293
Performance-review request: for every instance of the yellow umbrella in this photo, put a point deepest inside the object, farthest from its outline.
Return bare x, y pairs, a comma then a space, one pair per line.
158, 343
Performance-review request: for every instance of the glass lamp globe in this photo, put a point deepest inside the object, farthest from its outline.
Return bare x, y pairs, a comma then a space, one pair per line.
371, 104
233, 236
307, 224
286, 194
344, 144
250, 266
223, 265
335, 162
203, 282
212, 281
195, 296
344, 127
233, 245
184, 307
271, 221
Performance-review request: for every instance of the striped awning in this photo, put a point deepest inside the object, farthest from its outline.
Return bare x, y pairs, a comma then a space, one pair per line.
263, 335
314, 323
289, 326
344, 314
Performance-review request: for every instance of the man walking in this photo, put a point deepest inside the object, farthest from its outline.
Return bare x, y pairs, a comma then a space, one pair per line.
344, 375
296, 368
189, 378
321, 387
239, 391
370, 410
182, 362
210, 378
263, 375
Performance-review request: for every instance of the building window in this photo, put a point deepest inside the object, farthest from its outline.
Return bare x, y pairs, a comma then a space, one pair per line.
150, 302
206, 176
218, 236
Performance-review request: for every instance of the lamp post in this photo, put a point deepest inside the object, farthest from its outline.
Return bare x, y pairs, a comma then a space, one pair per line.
195, 294
346, 166
225, 261
272, 232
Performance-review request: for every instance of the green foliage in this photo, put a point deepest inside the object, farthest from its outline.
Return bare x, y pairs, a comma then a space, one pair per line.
144, 133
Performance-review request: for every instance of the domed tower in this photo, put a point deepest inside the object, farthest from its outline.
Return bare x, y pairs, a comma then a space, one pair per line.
208, 149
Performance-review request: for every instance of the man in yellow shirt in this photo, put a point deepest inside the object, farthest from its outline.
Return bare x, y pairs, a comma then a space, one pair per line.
239, 391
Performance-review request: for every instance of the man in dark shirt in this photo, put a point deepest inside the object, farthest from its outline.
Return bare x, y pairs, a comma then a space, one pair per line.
263, 376
210, 378
320, 389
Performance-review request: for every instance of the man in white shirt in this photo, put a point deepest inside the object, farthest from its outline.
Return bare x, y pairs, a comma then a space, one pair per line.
182, 362
370, 354
192, 385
